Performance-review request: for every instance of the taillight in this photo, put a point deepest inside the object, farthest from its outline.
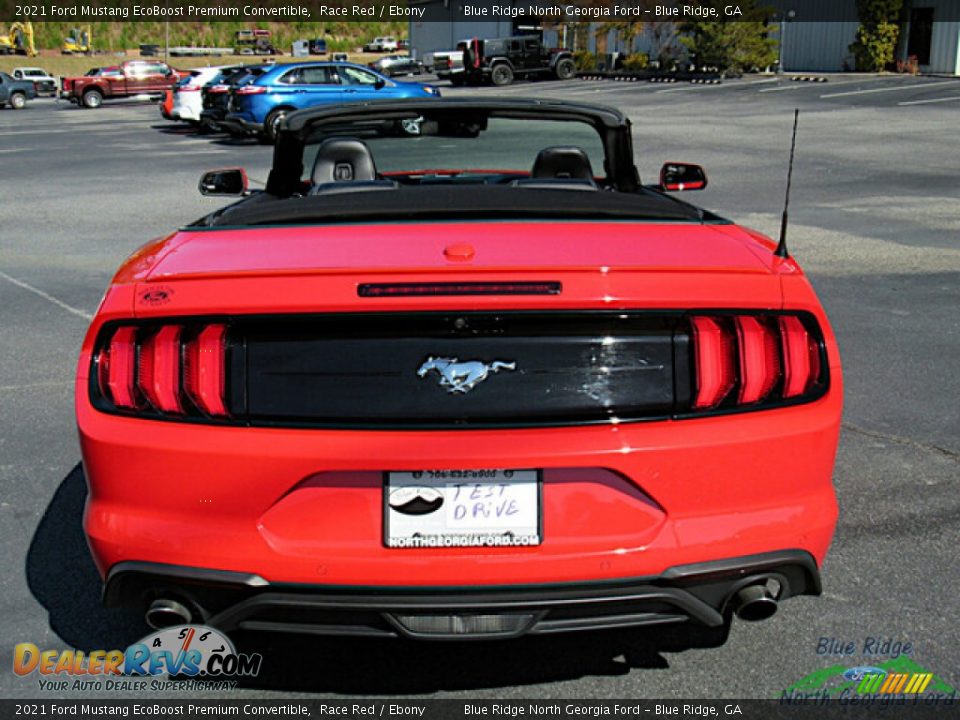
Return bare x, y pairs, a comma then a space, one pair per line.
204, 376
116, 368
745, 360
759, 359
170, 370
801, 357
218, 89
250, 90
158, 371
714, 347
189, 88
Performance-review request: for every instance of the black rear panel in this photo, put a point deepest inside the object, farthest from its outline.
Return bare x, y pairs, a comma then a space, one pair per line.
513, 368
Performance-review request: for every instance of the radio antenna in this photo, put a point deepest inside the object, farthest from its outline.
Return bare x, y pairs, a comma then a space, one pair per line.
781, 250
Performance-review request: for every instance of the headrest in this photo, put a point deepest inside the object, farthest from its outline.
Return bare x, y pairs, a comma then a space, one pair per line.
564, 162
343, 160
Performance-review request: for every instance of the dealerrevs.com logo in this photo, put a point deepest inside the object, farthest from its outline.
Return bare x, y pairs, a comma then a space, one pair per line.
196, 653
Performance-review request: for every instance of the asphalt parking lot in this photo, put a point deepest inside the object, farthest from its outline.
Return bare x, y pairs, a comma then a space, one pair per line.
875, 221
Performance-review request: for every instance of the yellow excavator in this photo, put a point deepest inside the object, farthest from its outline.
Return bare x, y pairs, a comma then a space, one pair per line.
19, 40
79, 42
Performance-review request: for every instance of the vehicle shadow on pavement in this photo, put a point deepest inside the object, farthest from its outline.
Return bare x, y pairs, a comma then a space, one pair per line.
360, 666
176, 129
63, 579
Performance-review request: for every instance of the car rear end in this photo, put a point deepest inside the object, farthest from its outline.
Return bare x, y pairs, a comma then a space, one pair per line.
187, 98
68, 90
43, 83
215, 97
639, 430
248, 102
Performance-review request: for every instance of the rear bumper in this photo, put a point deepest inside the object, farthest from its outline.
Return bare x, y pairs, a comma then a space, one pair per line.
240, 125
698, 593
306, 505
211, 118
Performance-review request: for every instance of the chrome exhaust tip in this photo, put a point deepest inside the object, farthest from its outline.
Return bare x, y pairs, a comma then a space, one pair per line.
754, 603
164, 613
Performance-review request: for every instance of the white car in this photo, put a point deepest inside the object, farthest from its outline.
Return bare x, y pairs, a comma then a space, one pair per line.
188, 95
382, 44
42, 80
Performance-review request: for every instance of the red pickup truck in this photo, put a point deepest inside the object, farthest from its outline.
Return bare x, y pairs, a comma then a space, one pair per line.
134, 77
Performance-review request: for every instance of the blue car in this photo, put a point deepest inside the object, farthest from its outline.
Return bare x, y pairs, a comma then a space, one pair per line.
257, 107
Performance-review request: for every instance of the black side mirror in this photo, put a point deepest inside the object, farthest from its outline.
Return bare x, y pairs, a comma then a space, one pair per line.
228, 181
678, 177
379, 83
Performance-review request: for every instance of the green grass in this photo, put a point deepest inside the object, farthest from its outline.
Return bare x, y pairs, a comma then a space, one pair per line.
117, 36
71, 66
115, 42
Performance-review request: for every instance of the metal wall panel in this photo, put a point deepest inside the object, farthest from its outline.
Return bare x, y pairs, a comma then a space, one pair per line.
818, 46
946, 38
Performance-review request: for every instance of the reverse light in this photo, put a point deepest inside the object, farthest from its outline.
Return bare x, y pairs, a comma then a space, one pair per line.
171, 370
745, 360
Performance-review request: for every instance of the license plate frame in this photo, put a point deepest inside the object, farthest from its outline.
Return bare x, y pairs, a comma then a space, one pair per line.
444, 482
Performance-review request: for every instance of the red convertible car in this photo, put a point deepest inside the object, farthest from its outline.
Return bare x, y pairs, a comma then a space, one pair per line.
457, 373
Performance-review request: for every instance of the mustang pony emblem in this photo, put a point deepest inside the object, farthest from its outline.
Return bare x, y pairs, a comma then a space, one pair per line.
462, 377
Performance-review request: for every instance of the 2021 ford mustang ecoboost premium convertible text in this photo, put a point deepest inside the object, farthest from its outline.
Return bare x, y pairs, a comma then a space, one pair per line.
455, 372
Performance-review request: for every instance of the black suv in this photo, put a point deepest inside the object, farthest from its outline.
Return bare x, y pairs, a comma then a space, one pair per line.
501, 60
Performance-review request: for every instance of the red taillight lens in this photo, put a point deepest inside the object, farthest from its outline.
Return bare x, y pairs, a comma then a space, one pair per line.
768, 357
759, 359
116, 365
714, 347
204, 376
801, 357
158, 374
250, 90
218, 88
190, 88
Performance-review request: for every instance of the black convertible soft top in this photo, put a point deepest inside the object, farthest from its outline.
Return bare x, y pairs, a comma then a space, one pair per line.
612, 127
457, 202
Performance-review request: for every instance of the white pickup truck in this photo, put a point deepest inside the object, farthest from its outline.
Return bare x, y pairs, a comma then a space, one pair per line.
449, 60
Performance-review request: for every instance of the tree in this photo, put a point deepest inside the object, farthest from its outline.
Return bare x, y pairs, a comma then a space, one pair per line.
877, 35
732, 44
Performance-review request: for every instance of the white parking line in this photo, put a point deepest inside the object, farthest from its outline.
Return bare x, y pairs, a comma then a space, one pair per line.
807, 85
46, 296
928, 102
696, 87
909, 86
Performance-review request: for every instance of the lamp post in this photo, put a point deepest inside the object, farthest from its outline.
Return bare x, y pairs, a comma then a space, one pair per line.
166, 32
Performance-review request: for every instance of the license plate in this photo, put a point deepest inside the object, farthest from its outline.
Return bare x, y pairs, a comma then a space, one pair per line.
462, 508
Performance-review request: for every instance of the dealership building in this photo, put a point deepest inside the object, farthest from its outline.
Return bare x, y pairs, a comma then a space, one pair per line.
816, 33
